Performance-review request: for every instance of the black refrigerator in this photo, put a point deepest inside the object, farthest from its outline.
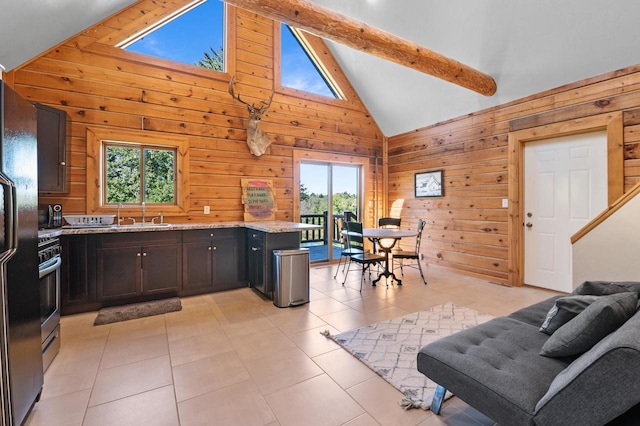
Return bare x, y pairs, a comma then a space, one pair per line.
20, 338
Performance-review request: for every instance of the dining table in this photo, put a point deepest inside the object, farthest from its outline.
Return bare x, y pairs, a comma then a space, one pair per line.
386, 239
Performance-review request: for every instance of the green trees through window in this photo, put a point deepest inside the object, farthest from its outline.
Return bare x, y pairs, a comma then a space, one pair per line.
135, 173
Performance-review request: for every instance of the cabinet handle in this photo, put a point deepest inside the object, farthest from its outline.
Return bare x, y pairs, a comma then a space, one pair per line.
144, 254
215, 248
212, 234
254, 249
138, 254
209, 248
62, 163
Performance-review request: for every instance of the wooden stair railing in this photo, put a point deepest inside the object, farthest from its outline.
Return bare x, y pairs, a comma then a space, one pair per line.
605, 214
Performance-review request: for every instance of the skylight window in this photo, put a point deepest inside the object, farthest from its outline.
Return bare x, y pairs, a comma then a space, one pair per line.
299, 69
193, 35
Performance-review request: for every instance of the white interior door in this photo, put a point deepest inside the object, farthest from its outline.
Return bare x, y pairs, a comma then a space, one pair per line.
565, 186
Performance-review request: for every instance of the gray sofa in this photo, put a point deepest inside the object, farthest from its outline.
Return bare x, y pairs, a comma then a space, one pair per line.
582, 370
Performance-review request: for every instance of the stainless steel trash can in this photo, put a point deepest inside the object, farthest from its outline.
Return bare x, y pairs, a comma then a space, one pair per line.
291, 281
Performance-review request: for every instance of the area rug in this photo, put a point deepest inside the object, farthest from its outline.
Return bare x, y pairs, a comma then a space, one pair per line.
390, 348
137, 310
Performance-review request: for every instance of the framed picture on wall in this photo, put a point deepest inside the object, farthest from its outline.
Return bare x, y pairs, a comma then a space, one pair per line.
429, 184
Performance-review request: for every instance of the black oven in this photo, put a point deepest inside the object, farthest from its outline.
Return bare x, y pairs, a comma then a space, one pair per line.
49, 250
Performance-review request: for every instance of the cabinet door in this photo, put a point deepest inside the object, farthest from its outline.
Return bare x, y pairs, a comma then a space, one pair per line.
161, 268
256, 258
224, 253
118, 272
52, 141
196, 264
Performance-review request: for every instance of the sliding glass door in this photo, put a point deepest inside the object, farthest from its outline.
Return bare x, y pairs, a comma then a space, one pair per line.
328, 194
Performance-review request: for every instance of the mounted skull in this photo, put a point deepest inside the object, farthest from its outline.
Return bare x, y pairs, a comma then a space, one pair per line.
257, 140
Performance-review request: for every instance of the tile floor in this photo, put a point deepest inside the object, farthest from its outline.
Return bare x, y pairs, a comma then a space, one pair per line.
233, 358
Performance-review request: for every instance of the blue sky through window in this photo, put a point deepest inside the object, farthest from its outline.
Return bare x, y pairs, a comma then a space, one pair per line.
298, 70
186, 38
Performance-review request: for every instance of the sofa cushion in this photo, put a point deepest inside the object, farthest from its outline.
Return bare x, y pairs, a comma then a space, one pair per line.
603, 288
494, 367
598, 386
534, 314
565, 309
599, 319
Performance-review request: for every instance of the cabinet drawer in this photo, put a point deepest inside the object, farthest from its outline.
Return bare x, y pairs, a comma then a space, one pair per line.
208, 234
128, 239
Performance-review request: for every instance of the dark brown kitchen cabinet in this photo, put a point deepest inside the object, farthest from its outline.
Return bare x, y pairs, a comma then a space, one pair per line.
52, 145
260, 247
138, 264
213, 260
77, 274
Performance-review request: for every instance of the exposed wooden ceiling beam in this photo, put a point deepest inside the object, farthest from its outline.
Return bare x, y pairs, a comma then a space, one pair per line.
331, 25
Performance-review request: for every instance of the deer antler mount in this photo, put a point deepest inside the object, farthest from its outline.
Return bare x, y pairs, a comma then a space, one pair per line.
257, 139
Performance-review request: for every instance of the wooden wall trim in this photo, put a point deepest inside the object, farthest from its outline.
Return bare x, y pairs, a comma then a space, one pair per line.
612, 123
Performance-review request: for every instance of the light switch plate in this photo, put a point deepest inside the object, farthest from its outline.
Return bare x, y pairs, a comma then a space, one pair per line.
505, 203
207, 209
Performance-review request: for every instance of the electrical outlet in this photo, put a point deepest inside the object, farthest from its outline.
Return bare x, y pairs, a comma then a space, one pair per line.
505, 203
207, 209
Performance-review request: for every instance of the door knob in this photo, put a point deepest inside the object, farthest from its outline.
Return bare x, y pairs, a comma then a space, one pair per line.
529, 214
529, 225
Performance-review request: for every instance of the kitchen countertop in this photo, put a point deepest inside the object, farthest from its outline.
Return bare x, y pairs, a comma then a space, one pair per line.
275, 226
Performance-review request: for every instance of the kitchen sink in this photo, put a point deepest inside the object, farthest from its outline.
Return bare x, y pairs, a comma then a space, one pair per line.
143, 225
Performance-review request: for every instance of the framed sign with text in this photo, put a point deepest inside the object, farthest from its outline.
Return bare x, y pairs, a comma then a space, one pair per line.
258, 197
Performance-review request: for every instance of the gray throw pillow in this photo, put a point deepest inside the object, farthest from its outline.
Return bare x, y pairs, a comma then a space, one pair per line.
599, 319
564, 310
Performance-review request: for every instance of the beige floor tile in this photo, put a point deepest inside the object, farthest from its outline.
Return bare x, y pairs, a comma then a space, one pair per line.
208, 374
238, 404
317, 401
65, 410
198, 347
192, 326
313, 343
130, 379
156, 407
326, 306
134, 329
363, 420
282, 369
120, 351
344, 368
346, 320
257, 345
382, 402
294, 321
72, 370
386, 314
250, 325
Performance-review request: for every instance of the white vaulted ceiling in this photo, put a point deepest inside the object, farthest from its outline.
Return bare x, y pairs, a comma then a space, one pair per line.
527, 46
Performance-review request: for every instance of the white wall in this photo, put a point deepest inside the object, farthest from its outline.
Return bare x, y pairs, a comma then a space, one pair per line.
611, 251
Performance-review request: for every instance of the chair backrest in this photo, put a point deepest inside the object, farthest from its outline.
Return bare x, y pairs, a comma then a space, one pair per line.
421, 224
389, 222
354, 234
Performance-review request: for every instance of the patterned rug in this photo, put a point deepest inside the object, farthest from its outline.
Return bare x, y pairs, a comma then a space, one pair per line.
390, 348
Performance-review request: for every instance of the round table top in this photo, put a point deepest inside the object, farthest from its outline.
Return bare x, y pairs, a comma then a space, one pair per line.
388, 233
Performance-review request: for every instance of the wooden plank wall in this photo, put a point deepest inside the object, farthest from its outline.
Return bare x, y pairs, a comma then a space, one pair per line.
103, 86
467, 228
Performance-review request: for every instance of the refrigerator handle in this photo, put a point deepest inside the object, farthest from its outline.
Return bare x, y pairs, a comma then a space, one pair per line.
10, 217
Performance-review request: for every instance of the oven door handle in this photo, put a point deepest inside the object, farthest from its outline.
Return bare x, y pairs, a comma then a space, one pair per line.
49, 266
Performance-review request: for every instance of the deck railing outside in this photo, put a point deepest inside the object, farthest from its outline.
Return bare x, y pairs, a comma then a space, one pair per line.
321, 235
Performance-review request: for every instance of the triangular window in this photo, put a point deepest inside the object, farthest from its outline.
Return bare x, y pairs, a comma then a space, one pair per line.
193, 35
299, 69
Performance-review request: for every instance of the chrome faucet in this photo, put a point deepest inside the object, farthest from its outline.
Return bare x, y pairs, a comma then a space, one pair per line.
119, 219
143, 209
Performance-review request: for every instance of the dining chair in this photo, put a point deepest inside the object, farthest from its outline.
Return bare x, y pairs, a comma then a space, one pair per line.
402, 255
348, 249
389, 223
365, 259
